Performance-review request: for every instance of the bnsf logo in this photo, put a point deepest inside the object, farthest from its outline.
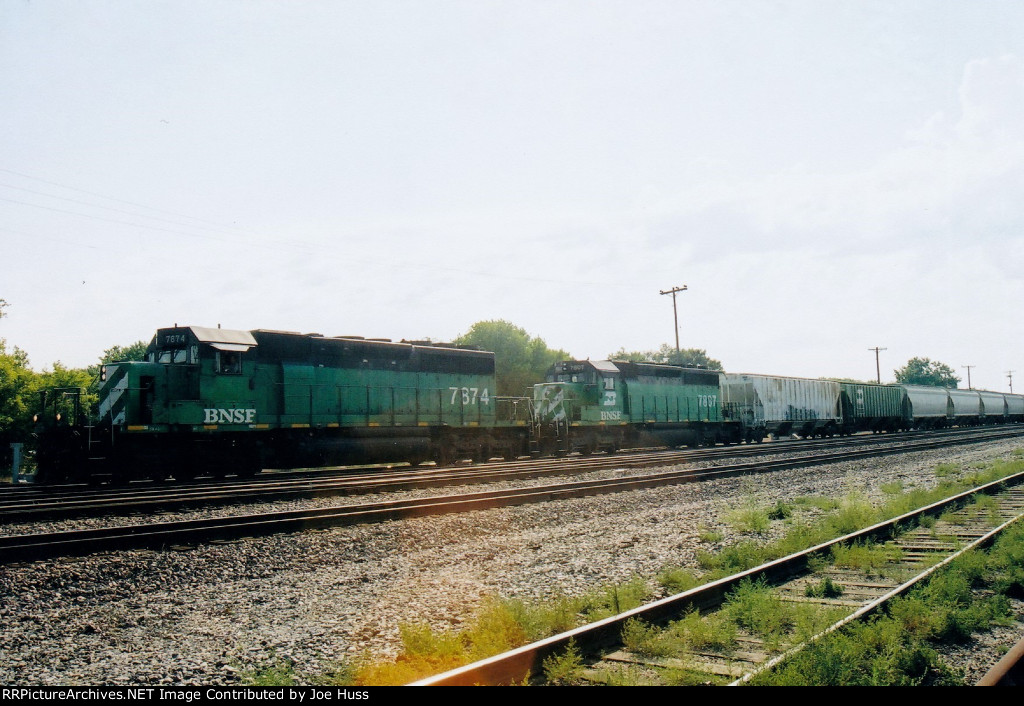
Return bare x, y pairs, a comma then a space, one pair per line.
229, 416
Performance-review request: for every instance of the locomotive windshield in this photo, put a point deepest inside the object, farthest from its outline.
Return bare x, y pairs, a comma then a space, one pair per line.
189, 345
178, 356
587, 377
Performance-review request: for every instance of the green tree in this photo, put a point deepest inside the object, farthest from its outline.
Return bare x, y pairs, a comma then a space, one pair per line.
922, 371
16, 384
15, 400
687, 357
117, 354
520, 360
114, 354
62, 376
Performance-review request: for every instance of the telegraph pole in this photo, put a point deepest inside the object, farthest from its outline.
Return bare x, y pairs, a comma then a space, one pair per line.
969, 375
675, 314
1009, 374
878, 368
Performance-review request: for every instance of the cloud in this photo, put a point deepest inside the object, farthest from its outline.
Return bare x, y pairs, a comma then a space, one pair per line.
953, 179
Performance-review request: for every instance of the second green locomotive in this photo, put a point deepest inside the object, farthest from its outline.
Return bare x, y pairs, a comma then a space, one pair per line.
606, 405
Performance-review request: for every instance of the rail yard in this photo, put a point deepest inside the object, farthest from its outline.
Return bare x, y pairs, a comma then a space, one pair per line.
219, 611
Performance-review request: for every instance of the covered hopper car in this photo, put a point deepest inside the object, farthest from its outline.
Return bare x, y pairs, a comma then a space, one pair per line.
783, 405
869, 407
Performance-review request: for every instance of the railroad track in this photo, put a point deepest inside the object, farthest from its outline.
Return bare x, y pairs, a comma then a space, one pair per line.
26, 504
914, 556
28, 547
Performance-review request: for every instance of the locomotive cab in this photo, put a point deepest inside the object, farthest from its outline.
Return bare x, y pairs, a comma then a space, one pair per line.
576, 405
156, 411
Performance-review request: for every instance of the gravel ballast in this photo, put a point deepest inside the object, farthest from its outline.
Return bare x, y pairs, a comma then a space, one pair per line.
205, 615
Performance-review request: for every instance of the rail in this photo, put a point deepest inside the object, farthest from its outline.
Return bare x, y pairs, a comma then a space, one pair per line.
521, 664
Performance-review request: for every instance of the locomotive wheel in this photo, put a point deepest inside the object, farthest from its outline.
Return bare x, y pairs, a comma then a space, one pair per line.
445, 455
483, 453
250, 463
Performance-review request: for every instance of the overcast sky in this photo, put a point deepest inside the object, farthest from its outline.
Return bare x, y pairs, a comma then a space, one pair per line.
824, 176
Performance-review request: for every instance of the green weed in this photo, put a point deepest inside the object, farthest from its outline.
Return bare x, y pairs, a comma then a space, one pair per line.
676, 580
825, 588
715, 631
749, 518
644, 639
278, 673
565, 669
710, 536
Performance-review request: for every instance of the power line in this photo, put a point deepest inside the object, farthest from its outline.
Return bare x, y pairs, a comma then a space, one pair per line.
112, 198
250, 239
106, 208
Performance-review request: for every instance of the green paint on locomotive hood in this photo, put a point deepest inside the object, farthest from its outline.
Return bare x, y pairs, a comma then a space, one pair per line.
201, 377
599, 392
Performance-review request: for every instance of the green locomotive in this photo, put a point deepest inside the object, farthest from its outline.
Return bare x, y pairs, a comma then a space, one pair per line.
217, 401
588, 406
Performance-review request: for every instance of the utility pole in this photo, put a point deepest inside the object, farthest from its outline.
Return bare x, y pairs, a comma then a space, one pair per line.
969, 375
878, 368
1009, 374
675, 314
